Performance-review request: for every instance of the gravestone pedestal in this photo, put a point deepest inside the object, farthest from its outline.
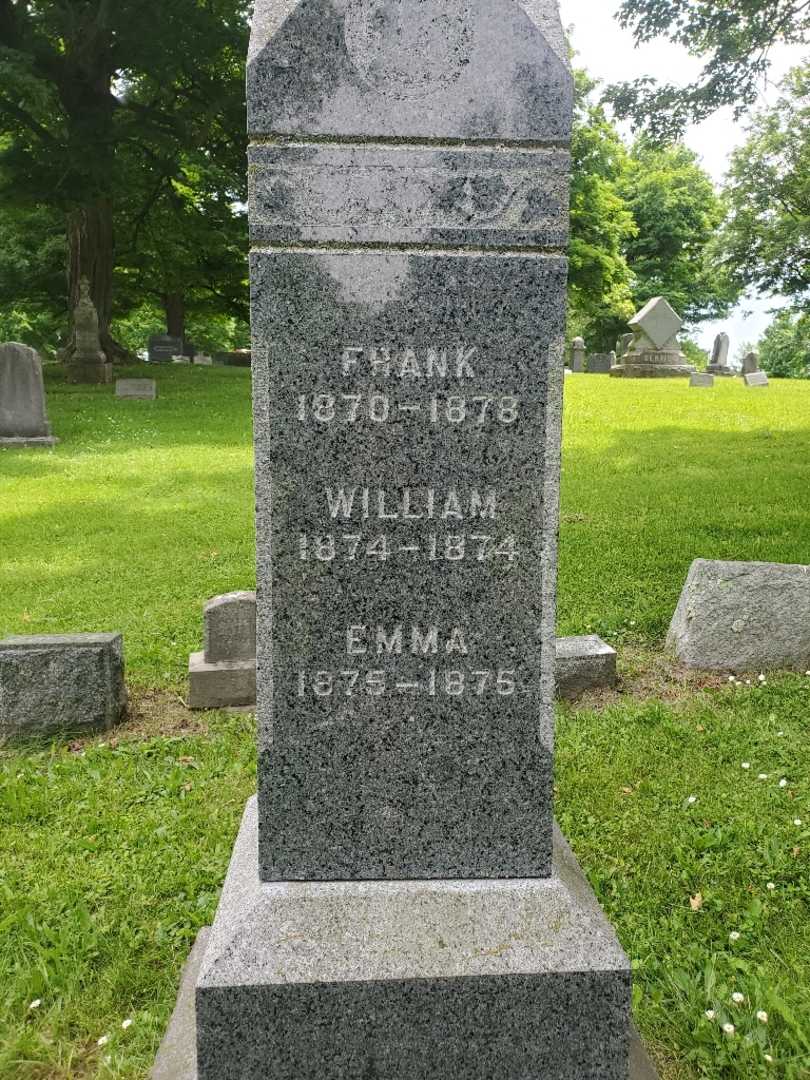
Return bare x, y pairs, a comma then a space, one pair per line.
399, 903
418, 980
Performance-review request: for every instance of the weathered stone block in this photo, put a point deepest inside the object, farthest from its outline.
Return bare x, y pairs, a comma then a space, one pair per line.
65, 683
702, 380
584, 663
23, 412
223, 685
230, 627
136, 389
484, 980
738, 616
600, 363
756, 378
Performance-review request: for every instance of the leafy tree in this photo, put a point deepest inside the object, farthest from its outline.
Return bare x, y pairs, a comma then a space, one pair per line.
677, 213
734, 37
600, 299
765, 242
98, 97
784, 350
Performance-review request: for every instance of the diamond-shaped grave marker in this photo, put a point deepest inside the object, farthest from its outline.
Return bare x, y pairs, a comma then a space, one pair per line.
659, 321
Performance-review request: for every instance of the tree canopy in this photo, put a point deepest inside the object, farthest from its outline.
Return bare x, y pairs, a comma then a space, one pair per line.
765, 242
109, 113
733, 37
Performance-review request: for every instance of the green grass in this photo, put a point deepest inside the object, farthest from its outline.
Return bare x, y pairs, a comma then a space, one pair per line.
114, 849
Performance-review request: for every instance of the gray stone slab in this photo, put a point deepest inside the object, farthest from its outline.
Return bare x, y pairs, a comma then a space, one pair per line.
23, 411
136, 389
756, 378
222, 685
702, 381
480, 979
584, 663
230, 627
743, 616
177, 1057
460, 70
64, 683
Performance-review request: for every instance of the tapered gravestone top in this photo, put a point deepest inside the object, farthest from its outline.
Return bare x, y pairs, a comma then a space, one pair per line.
23, 413
657, 321
455, 69
410, 176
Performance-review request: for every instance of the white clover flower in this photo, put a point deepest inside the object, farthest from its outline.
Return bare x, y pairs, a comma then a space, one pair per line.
747, 682
35, 1004
770, 886
762, 678
127, 1023
762, 1016
797, 822
731, 678
103, 1040
710, 1014
735, 935
763, 776
768, 1058
691, 800
783, 782
738, 998
729, 1029
746, 764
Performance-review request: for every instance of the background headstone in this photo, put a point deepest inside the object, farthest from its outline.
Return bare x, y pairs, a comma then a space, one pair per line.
702, 380
408, 312
655, 352
23, 411
163, 348
743, 616
136, 389
719, 363
583, 664
600, 363
578, 355
64, 683
223, 675
750, 363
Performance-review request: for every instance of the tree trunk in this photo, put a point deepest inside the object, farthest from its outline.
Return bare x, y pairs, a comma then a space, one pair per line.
174, 304
90, 255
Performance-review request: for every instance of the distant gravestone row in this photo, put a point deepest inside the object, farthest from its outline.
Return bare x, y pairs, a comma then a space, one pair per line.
652, 351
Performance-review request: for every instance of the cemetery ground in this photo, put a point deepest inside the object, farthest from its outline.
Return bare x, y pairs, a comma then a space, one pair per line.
686, 797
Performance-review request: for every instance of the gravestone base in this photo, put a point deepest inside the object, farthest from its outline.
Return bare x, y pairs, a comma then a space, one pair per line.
46, 442
583, 664
652, 366
96, 374
221, 685
485, 979
720, 371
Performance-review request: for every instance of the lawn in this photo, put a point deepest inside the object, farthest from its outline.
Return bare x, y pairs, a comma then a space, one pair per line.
114, 848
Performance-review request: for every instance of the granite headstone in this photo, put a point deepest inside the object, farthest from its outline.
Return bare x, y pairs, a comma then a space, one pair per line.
63, 683
750, 364
413, 911
163, 348
702, 380
23, 411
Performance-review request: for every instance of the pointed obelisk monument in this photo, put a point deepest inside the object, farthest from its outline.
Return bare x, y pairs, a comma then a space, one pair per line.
399, 902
